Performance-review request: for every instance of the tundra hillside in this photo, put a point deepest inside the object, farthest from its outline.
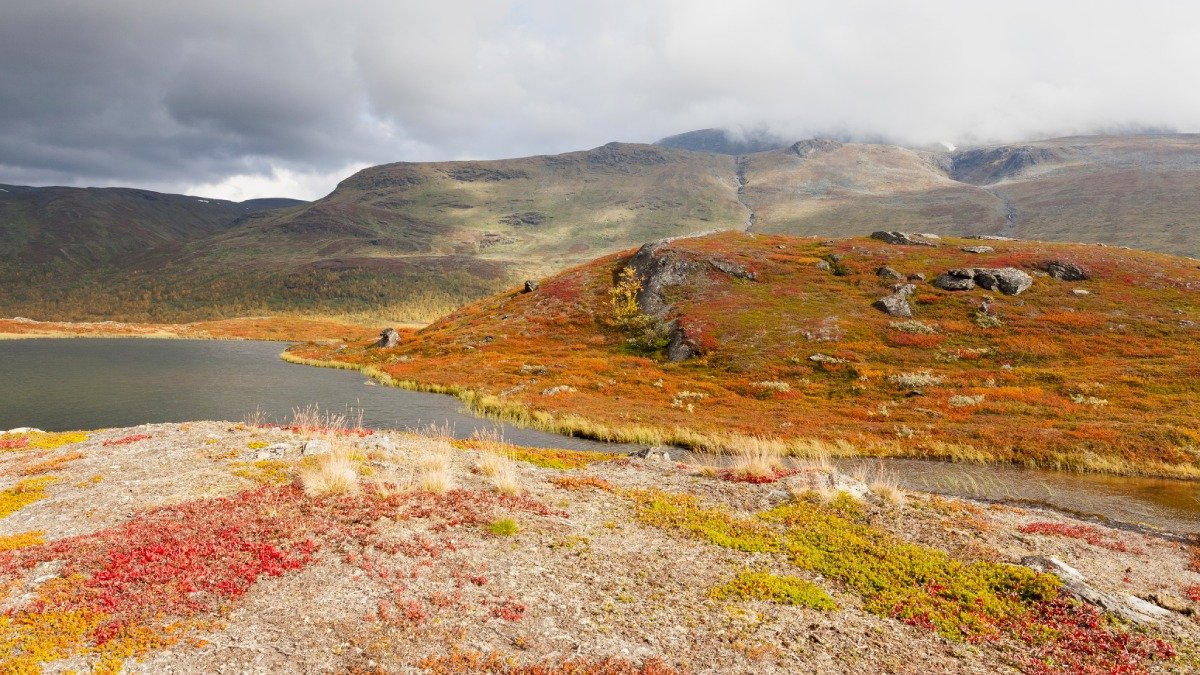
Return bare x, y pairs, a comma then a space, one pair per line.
1058, 355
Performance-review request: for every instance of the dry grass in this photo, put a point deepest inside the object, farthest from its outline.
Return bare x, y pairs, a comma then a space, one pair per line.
883, 483
255, 419
757, 457
433, 466
334, 473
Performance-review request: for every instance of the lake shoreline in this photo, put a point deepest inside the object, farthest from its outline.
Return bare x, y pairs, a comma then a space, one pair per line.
267, 328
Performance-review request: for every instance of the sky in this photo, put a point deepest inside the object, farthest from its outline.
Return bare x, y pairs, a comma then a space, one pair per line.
249, 99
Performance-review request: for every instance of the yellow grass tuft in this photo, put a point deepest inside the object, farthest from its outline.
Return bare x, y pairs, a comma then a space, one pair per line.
333, 473
757, 457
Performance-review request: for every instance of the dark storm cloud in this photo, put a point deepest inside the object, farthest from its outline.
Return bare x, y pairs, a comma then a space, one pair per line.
242, 98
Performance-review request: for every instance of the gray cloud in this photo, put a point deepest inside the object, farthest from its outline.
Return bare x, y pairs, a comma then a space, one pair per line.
225, 95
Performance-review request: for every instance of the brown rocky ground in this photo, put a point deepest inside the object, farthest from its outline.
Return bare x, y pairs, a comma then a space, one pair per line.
421, 562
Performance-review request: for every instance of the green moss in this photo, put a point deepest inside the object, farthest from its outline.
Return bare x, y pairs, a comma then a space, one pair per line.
783, 590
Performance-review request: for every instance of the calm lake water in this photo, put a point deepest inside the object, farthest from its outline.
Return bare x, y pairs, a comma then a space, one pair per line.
65, 384
91, 383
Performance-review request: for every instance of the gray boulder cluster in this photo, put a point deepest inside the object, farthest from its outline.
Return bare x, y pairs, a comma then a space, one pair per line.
1007, 280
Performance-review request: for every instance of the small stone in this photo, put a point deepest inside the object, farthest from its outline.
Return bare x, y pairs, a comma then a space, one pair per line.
916, 276
316, 446
887, 273
978, 249
1081, 291
822, 265
530, 286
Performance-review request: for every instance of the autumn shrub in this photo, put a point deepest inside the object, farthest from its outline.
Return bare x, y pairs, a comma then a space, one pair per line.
126, 440
50, 465
23, 494
40, 440
783, 590
1091, 535
10, 542
581, 482
493, 663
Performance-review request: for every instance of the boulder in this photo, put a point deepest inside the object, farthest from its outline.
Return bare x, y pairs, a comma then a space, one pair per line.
896, 304
903, 238
916, 276
530, 286
955, 280
388, 338
1007, 280
888, 273
989, 237
978, 249
822, 265
1066, 271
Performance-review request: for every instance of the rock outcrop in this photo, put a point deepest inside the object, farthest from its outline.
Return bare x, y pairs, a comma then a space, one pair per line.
1007, 280
1129, 607
904, 238
658, 266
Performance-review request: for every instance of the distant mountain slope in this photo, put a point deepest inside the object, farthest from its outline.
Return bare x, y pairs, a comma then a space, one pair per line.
89, 226
541, 212
723, 142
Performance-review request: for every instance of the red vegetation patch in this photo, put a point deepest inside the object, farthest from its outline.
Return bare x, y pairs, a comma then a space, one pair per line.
126, 440
1087, 533
742, 476
581, 482
13, 443
1193, 592
136, 587
1065, 636
493, 663
338, 431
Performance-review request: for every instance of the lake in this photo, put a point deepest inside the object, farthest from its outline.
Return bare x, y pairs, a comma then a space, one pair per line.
66, 384
92, 383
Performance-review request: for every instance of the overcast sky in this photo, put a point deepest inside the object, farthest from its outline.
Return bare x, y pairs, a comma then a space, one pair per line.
248, 99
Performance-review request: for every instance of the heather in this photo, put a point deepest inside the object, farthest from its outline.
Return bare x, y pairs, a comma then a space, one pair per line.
1092, 374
